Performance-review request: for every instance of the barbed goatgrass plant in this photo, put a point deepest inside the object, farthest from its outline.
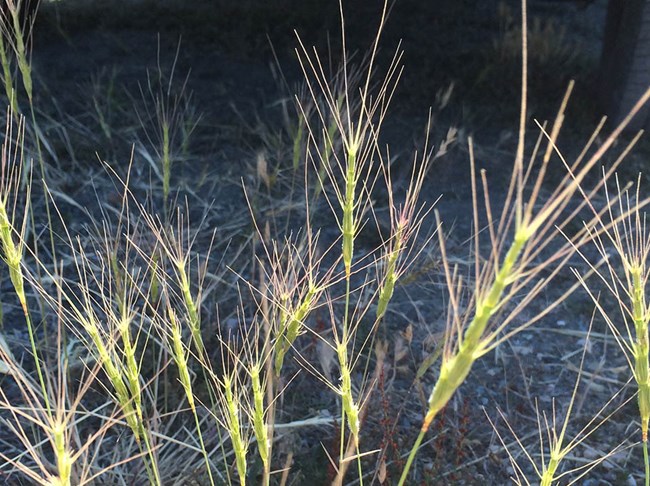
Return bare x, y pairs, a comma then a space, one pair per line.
510, 269
146, 383
172, 118
623, 242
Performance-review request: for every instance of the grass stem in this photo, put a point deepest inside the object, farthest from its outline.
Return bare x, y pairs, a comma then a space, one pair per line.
646, 462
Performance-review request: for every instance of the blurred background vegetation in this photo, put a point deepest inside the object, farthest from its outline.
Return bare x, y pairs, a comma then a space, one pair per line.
474, 45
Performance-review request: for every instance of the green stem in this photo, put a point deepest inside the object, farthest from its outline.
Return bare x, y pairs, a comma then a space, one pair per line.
647, 463
359, 468
37, 361
346, 316
205, 452
46, 196
409, 461
151, 466
551, 469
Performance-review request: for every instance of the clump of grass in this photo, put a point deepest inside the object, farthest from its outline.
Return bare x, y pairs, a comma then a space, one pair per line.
107, 305
138, 299
342, 147
101, 311
49, 423
49, 443
358, 121
531, 222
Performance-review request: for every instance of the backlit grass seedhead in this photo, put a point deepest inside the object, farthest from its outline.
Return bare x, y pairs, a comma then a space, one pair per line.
11, 233
640, 347
557, 447
259, 415
179, 353
291, 325
406, 221
174, 246
349, 226
192, 310
457, 365
623, 228
232, 409
180, 356
14, 35
63, 457
172, 116
350, 408
7, 76
357, 109
388, 287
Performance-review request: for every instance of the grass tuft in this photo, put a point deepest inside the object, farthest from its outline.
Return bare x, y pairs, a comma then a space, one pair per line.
200, 343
